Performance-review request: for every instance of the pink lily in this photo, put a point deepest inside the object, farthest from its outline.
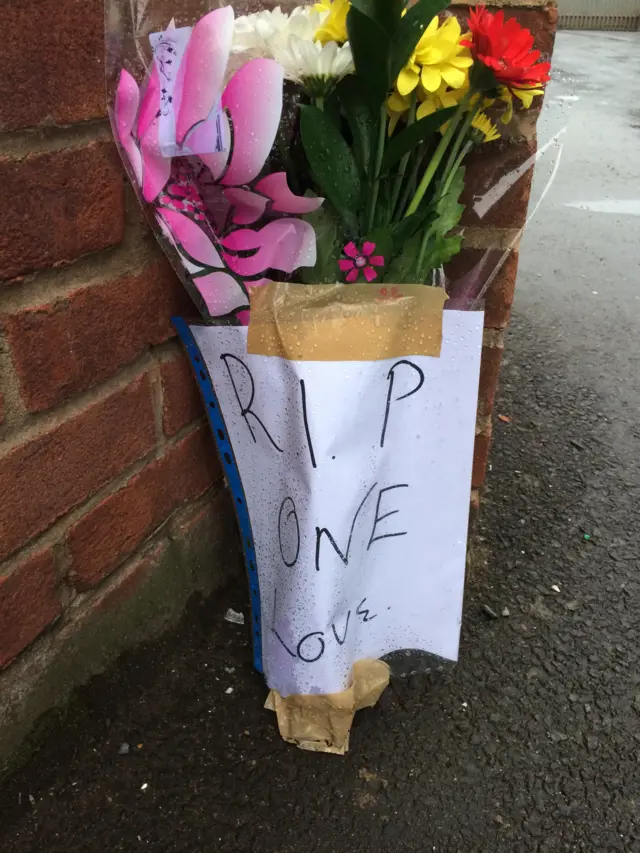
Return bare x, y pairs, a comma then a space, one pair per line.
204, 203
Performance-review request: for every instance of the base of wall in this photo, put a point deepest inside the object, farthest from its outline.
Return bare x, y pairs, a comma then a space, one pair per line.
196, 551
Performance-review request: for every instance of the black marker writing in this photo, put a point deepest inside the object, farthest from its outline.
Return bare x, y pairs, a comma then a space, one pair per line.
273, 625
320, 647
245, 408
364, 613
305, 417
313, 645
344, 556
391, 378
380, 518
339, 641
288, 511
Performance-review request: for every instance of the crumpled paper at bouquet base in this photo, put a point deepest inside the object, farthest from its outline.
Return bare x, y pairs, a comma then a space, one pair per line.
322, 722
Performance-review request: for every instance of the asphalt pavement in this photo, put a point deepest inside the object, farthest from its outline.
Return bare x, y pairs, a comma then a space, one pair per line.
532, 741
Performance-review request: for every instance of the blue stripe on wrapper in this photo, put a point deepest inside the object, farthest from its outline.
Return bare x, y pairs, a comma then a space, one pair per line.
221, 436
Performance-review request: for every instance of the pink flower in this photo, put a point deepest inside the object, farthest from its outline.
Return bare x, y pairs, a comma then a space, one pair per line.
361, 261
204, 203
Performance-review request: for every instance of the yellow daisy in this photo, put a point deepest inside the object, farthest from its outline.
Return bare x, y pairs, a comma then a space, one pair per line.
439, 58
334, 27
487, 131
525, 93
442, 98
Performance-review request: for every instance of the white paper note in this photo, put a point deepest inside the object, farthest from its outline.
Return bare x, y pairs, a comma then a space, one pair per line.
357, 479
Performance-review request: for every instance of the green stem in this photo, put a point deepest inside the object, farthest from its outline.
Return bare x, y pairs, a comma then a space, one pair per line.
320, 103
373, 200
410, 185
437, 158
454, 168
404, 162
423, 249
445, 189
464, 130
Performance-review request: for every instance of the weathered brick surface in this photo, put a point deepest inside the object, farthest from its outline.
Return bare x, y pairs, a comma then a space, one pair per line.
28, 603
53, 66
497, 189
111, 531
489, 376
62, 204
481, 457
47, 476
66, 347
181, 399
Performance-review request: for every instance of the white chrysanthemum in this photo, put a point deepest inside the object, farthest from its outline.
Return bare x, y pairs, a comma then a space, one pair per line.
316, 66
261, 33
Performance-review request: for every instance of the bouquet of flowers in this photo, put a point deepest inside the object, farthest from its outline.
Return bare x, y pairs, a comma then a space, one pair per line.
385, 100
344, 415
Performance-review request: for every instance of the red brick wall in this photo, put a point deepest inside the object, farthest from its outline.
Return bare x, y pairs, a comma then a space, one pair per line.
102, 434
498, 232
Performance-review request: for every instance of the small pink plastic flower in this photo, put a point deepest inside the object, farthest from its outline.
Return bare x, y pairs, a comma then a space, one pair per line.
360, 261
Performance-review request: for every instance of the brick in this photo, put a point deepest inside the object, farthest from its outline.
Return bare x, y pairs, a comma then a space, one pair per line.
500, 294
111, 531
469, 272
53, 67
181, 400
66, 347
64, 203
198, 518
47, 476
497, 189
28, 604
481, 458
489, 376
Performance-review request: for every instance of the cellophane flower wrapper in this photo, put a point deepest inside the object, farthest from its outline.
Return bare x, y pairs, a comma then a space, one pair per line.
316, 219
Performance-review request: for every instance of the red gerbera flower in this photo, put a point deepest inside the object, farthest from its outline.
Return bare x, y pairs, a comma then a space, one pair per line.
507, 49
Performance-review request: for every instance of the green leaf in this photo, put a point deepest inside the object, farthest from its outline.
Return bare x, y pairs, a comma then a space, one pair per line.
406, 228
411, 28
329, 242
384, 208
448, 210
359, 117
406, 140
383, 240
440, 250
402, 269
441, 245
370, 46
386, 13
332, 163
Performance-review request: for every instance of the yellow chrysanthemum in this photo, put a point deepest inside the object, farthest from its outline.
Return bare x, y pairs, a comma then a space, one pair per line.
335, 26
428, 102
442, 98
486, 127
397, 107
524, 93
439, 58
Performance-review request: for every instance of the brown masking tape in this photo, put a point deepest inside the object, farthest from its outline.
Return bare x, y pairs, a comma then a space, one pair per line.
353, 322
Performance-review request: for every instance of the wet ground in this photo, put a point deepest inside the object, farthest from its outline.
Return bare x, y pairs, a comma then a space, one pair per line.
532, 742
